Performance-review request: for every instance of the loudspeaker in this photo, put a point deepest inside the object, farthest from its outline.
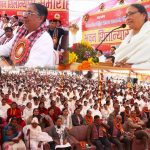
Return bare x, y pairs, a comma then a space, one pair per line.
135, 80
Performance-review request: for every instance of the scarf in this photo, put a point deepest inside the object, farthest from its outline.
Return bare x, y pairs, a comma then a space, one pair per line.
30, 40
134, 119
98, 132
89, 120
60, 131
118, 126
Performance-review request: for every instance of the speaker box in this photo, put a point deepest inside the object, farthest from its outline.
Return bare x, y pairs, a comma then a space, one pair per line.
134, 80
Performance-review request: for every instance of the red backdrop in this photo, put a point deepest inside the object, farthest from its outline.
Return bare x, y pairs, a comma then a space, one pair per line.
14, 7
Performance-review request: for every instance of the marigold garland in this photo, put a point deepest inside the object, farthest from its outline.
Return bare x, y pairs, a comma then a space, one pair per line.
118, 126
85, 65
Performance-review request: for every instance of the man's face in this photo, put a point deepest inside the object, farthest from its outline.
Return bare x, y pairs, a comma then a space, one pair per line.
95, 107
127, 109
117, 109
78, 111
65, 112
112, 50
89, 113
3, 102
14, 122
59, 122
7, 96
30, 105
34, 124
97, 121
32, 19
52, 25
36, 112
13, 20
8, 33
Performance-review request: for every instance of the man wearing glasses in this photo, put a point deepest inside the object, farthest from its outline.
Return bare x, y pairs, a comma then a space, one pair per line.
134, 50
32, 46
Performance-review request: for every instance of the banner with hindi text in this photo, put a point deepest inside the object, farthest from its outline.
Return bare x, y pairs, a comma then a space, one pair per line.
55, 8
101, 22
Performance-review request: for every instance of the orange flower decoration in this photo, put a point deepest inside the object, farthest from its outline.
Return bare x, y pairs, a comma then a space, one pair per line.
84, 66
63, 67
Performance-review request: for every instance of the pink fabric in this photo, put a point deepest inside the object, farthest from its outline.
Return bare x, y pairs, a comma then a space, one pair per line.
115, 132
79, 132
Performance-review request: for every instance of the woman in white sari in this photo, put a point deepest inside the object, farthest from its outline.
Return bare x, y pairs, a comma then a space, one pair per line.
134, 50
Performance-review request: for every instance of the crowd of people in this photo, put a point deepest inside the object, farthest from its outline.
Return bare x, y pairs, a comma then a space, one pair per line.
15, 30
32, 101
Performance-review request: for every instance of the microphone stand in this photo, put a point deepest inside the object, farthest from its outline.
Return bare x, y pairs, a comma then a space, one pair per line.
106, 37
2, 35
19, 24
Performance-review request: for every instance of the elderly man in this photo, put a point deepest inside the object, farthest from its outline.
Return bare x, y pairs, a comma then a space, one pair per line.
32, 46
97, 135
34, 136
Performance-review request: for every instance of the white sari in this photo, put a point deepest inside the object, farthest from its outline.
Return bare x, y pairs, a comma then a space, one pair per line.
136, 49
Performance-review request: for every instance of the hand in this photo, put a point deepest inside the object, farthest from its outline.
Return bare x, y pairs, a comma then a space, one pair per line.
39, 144
57, 142
123, 61
15, 140
121, 138
126, 66
89, 143
118, 64
65, 142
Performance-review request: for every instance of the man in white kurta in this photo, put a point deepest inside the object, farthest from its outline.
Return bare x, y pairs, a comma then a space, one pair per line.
3, 108
36, 135
135, 49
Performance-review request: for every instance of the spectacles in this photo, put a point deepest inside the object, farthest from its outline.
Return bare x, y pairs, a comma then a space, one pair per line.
28, 13
131, 13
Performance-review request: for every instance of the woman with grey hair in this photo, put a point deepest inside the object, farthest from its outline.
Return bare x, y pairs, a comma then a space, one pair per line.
134, 50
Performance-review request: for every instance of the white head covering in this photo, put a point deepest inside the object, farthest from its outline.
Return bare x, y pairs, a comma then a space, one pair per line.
35, 120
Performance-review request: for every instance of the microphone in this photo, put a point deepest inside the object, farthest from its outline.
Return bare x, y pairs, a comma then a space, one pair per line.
19, 23
122, 26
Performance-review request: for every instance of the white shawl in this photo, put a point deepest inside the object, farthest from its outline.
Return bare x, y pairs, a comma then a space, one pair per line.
136, 49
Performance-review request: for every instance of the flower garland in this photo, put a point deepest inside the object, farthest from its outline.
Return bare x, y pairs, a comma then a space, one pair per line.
126, 114
118, 126
60, 131
134, 119
85, 65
